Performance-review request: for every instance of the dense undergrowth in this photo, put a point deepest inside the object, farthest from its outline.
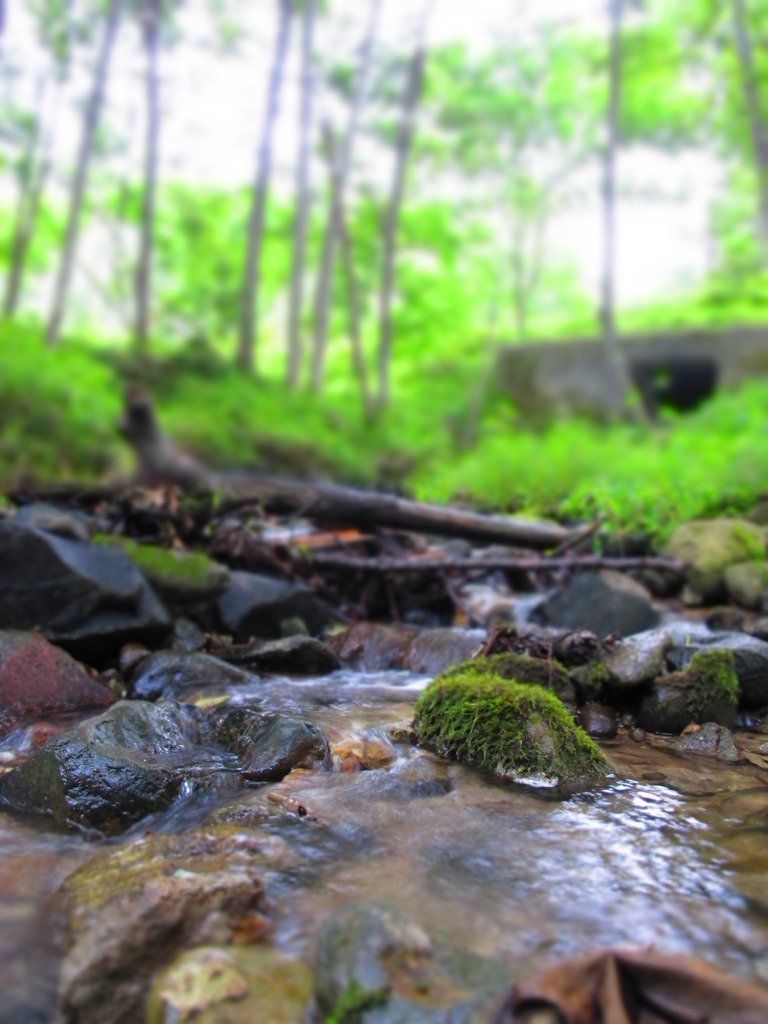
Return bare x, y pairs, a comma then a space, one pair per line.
58, 413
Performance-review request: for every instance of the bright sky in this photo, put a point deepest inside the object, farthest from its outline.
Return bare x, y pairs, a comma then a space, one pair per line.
214, 109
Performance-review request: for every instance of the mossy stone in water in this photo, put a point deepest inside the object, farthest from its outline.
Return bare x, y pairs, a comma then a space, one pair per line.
518, 732
706, 691
545, 672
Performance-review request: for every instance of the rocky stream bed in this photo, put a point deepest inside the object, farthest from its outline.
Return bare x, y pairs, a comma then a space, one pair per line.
216, 807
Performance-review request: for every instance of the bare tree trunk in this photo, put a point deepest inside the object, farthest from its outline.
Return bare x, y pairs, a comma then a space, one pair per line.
411, 97
757, 126
303, 199
32, 178
340, 174
616, 375
251, 278
151, 32
351, 285
80, 180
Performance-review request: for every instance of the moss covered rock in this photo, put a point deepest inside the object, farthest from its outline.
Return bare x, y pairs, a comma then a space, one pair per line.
706, 691
710, 546
746, 583
517, 731
545, 672
181, 577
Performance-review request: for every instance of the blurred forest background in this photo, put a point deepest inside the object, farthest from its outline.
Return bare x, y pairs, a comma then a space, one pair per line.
307, 225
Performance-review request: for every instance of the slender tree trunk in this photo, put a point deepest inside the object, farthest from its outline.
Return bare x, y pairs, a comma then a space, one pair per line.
351, 286
411, 97
340, 175
758, 129
303, 199
31, 180
249, 305
151, 31
616, 375
80, 180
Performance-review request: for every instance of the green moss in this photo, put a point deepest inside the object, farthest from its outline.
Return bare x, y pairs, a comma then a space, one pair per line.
503, 726
754, 547
169, 571
353, 1002
524, 669
713, 683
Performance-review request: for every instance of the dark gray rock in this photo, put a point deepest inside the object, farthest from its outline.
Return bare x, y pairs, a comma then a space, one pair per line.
136, 758
268, 747
167, 674
705, 691
750, 656
296, 655
80, 595
61, 521
598, 720
711, 740
258, 606
435, 650
603, 602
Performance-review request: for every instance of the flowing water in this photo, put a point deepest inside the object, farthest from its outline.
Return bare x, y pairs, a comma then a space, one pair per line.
672, 851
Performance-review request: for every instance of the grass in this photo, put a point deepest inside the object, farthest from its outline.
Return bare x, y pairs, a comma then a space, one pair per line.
58, 410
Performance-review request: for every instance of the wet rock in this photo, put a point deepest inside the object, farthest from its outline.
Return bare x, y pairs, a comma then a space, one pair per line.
184, 579
167, 674
362, 752
750, 659
129, 910
706, 691
297, 655
759, 628
603, 602
134, 759
637, 659
268, 746
130, 656
80, 595
726, 619
375, 965
63, 522
187, 637
711, 740
38, 679
522, 668
598, 720
518, 732
436, 649
709, 546
371, 646
110, 771
230, 985
256, 606
746, 583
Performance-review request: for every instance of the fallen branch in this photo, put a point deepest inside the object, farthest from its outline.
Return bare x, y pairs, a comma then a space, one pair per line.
536, 564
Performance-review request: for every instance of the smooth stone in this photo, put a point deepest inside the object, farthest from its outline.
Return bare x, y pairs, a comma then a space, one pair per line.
296, 655
254, 605
711, 740
709, 546
637, 659
38, 679
130, 910
371, 646
746, 583
80, 595
598, 720
604, 602
434, 650
167, 674
51, 519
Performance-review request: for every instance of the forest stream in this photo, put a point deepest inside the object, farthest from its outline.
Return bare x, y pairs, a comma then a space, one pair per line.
671, 851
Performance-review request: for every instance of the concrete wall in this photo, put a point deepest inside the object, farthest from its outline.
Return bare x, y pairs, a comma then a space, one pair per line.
557, 378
